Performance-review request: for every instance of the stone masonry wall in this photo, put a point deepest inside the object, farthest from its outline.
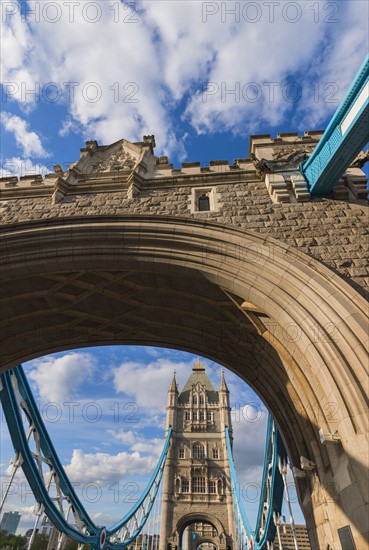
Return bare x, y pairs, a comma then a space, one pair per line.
334, 232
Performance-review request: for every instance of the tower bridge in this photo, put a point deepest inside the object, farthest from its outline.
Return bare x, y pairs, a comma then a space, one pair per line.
242, 263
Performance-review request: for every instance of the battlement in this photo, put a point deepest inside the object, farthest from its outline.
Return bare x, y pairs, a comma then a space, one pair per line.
12, 187
132, 168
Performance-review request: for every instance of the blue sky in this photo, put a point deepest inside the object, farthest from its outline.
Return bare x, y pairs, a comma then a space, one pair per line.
201, 76
105, 411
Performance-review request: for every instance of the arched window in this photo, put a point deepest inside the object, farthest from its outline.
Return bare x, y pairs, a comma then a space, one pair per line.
177, 485
203, 202
198, 451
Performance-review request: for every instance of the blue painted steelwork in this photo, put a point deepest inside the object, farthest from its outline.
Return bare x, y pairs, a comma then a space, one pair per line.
153, 484
243, 524
16, 396
343, 138
272, 487
31, 470
271, 494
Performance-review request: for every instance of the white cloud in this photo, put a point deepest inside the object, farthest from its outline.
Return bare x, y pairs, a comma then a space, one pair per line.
141, 71
249, 431
126, 437
59, 378
29, 142
148, 383
101, 467
138, 442
66, 128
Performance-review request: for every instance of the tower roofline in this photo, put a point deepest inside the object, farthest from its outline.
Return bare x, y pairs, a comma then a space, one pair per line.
198, 366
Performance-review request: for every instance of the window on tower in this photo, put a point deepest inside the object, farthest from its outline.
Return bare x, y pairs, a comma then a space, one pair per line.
215, 453
202, 416
198, 451
212, 486
187, 415
203, 203
181, 452
202, 399
198, 485
185, 486
177, 485
194, 399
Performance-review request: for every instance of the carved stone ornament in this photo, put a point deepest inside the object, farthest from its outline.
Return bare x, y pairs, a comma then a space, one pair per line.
121, 160
289, 151
361, 159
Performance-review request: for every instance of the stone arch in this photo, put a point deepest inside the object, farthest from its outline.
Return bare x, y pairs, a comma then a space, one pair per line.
206, 540
198, 517
261, 308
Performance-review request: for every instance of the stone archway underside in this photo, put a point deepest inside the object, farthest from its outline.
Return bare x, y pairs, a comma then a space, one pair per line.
191, 518
282, 321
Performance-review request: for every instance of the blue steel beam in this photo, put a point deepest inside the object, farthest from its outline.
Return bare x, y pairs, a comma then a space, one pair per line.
14, 420
272, 480
154, 481
16, 395
272, 488
345, 136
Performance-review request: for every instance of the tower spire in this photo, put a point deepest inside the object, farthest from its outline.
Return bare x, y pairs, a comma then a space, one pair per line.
223, 385
173, 385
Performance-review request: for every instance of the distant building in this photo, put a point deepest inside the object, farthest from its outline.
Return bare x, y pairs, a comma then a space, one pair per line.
29, 532
46, 526
56, 540
287, 541
10, 522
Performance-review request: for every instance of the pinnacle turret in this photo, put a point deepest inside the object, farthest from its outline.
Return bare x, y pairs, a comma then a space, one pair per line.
173, 386
223, 385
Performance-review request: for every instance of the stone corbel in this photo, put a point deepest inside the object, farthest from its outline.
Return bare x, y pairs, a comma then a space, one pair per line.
277, 188
134, 187
357, 182
340, 191
60, 190
300, 188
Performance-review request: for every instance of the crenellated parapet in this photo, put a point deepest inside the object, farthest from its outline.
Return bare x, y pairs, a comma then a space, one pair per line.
132, 168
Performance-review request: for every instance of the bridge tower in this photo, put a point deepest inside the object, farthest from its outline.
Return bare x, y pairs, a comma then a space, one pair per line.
197, 496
